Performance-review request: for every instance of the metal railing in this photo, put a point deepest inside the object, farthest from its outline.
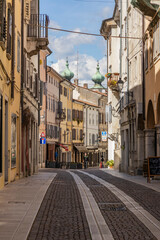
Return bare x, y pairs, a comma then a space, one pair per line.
38, 26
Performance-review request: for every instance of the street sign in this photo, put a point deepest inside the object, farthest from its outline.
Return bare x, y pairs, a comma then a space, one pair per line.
104, 136
42, 135
42, 140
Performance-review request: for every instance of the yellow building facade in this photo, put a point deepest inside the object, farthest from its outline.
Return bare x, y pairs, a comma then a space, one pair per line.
77, 131
10, 79
66, 95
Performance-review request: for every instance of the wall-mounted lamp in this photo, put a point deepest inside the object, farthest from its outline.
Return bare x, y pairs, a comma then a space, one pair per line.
120, 84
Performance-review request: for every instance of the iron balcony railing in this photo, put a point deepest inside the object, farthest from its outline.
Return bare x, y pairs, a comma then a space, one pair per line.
38, 26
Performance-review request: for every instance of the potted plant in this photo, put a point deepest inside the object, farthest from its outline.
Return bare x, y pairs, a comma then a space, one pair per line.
110, 163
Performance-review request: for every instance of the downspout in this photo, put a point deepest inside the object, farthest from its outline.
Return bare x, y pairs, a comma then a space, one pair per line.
120, 38
22, 79
143, 70
13, 49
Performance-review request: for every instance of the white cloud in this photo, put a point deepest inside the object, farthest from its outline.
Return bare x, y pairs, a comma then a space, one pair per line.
106, 12
65, 45
54, 24
86, 67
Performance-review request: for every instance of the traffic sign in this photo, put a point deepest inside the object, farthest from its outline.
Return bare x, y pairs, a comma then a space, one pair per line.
42, 135
42, 140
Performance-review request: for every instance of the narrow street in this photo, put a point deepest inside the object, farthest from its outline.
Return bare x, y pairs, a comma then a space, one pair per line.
80, 204
63, 214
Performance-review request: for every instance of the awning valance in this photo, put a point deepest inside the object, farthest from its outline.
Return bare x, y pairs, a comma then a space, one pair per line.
81, 148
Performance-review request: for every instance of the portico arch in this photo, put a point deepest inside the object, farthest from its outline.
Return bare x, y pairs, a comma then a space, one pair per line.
150, 116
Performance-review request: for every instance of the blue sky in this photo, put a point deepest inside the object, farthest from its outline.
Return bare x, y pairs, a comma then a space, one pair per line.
80, 15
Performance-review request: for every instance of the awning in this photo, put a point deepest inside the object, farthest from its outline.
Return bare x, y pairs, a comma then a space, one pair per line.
81, 148
63, 146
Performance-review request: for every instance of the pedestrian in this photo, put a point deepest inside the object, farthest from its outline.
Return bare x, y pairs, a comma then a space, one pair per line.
102, 160
85, 160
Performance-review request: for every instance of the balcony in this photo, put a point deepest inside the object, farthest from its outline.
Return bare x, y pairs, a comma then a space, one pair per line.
37, 35
112, 81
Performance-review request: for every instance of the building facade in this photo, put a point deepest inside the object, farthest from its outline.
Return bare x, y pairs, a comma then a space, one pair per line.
66, 97
151, 78
109, 28
34, 40
53, 125
77, 131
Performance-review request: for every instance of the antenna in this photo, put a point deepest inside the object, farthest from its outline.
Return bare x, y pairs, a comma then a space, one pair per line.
77, 62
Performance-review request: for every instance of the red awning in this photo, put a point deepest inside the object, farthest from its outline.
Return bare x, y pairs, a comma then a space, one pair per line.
65, 147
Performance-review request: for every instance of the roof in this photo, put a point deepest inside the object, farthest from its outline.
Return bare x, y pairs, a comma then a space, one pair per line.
89, 89
87, 103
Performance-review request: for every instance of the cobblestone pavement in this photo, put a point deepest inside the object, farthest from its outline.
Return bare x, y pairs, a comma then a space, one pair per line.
123, 224
61, 215
147, 198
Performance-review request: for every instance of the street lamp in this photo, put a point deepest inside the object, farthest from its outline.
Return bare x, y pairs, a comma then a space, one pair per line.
120, 84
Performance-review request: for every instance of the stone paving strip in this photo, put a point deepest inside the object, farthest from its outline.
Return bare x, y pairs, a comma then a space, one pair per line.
144, 196
139, 179
19, 204
98, 227
125, 218
61, 215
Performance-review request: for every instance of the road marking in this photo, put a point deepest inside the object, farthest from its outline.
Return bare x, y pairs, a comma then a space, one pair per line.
145, 217
97, 225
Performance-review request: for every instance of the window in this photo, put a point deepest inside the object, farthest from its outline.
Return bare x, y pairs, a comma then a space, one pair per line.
68, 94
65, 91
90, 139
89, 118
92, 119
93, 139
77, 134
97, 119
68, 114
53, 105
9, 32
73, 134
18, 54
2, 20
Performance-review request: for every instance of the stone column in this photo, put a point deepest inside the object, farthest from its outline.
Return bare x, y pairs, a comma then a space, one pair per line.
140, 150
158, 139
149, 143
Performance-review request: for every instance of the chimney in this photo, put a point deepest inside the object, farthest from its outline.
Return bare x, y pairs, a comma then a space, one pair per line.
85, 85
76, 81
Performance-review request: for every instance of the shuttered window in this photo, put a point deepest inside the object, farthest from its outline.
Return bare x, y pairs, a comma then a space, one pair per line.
2, 20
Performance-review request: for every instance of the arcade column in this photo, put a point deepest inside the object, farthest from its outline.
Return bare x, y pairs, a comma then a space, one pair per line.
149, 142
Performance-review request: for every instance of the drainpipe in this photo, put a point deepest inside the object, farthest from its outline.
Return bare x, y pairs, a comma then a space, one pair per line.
13, 49
22, 79
143, 70
120, 38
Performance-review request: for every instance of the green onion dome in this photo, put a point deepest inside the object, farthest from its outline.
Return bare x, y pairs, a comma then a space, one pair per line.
98, 78
67, 73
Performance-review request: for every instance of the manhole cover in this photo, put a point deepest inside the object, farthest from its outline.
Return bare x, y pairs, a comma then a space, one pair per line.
15, 202
112, 206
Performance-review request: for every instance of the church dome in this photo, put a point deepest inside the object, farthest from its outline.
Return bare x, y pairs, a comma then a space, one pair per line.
67, 73
98, 78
